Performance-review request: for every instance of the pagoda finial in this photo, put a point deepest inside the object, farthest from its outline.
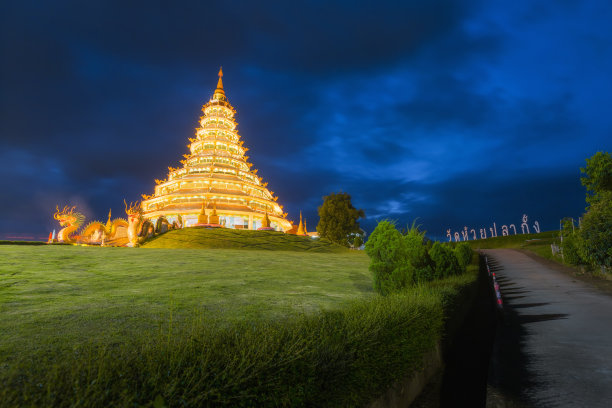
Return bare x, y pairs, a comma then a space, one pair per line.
300, 230
108, 223
219, 94
220, 83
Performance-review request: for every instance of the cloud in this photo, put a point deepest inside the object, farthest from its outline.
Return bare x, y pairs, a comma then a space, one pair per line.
440, 110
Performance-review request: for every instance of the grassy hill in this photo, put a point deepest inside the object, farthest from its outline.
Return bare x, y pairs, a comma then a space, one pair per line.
104, 326
536, 243
60, 295
225, 238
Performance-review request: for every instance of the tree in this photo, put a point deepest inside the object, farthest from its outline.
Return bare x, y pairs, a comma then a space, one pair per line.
388, 259
338, 218
598, 177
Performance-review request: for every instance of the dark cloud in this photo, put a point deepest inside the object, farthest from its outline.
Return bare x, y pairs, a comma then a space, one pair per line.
446, 101
454, 112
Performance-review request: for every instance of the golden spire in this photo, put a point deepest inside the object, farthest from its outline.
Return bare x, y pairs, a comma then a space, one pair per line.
108, 223
300, 230
220, 83
219, 91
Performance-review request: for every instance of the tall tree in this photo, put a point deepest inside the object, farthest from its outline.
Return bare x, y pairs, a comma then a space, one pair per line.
338, 218
598, 177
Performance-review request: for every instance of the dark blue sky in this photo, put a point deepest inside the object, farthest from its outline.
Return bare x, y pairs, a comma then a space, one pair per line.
459, 113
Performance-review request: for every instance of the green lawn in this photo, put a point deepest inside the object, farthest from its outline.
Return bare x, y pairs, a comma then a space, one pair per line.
61, 296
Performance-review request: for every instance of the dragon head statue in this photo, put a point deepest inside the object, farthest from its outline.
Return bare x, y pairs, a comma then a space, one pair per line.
135, 219
133, 211
70, 220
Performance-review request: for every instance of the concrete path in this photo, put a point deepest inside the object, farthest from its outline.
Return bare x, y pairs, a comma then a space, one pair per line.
553, 346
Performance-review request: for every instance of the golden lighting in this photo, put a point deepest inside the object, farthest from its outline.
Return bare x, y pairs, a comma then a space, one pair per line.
216, 172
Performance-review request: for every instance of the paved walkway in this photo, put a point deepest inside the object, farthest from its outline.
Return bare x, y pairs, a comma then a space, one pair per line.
554, 345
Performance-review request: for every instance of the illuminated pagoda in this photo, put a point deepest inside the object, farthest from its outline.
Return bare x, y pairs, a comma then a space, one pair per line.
216, 178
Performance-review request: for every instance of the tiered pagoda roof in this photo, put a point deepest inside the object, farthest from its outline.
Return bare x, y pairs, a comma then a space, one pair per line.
216, 173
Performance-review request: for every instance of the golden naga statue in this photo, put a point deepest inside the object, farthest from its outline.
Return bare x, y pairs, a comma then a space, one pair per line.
107, 231
135, 223
70, 220
140, 229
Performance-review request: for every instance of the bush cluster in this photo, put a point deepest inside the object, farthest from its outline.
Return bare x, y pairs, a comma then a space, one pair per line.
591, 243
595, 234
445, 260
401, 260
464, 254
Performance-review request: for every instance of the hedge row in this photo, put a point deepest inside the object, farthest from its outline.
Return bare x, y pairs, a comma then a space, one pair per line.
400, 260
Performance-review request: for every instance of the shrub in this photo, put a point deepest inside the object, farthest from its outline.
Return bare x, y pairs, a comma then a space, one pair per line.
570, 243
388, 259
416, 248
464, 253
595, 234
358, 242
445, 261
571, 250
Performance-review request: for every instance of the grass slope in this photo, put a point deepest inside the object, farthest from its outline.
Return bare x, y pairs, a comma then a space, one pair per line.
223, 238
62, 296
158, 327
4, 242
536, 243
